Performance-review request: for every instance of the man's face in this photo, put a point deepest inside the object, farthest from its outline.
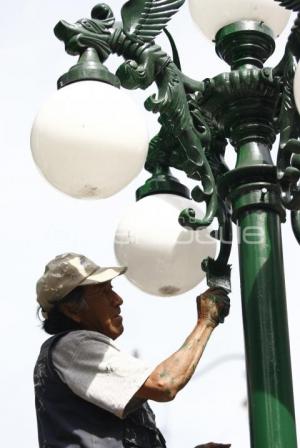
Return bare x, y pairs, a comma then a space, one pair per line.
102, 312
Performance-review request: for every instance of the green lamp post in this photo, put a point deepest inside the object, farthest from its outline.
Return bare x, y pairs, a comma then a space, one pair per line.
248, 107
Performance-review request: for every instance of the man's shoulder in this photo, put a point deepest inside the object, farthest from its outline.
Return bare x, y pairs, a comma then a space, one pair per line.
81, 345
83, 337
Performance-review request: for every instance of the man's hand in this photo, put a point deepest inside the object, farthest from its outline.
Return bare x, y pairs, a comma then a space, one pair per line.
214, 445
213, 306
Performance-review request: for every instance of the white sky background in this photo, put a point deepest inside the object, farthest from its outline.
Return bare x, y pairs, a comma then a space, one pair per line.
37, 222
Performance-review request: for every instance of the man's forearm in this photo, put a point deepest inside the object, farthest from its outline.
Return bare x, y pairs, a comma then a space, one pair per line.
175, 372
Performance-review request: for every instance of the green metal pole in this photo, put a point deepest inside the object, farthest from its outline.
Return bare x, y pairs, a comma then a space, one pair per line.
254, 190
271, 406
255, 199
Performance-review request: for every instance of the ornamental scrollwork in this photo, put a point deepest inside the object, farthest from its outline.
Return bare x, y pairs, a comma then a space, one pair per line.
85, 33
146, 63
289, 146
198, 118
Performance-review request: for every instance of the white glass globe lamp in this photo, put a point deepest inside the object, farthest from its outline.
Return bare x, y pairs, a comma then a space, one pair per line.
163, 258
212, 15
89, 140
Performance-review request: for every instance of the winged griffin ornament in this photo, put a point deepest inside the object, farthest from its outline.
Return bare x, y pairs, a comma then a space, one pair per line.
146, 63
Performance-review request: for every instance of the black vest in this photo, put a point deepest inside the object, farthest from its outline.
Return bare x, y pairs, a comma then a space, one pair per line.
67, 421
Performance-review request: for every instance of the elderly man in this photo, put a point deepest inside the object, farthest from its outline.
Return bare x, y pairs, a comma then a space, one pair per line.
88, 393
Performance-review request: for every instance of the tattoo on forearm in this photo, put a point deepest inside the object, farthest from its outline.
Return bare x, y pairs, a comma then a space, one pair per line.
164, 374
187, 345
176, 372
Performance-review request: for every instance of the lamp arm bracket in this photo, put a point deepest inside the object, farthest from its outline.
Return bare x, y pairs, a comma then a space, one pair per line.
146, 63
288, 160
188, 154
143, 59
150, 64
218, 271
172, 104
212, 136
191, 85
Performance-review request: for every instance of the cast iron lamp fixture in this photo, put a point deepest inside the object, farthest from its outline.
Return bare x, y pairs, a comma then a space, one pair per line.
247, 106
89, 139
163, 258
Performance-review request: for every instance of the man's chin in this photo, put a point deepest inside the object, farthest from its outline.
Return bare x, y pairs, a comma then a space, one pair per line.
118, 332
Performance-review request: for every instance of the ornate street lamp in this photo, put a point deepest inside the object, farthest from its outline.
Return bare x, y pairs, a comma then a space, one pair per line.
247, 106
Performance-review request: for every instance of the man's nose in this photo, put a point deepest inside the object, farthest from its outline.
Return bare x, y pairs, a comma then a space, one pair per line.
117, 300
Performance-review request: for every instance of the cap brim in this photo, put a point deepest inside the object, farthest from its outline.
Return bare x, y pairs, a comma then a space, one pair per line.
103, 275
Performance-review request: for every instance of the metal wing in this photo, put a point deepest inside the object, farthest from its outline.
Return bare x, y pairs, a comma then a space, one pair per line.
145, 19
293, 5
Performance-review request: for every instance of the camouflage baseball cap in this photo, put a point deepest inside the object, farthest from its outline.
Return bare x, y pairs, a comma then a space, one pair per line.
67, 271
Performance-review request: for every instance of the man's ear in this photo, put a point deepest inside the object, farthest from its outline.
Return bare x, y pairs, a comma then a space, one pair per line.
68, 310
